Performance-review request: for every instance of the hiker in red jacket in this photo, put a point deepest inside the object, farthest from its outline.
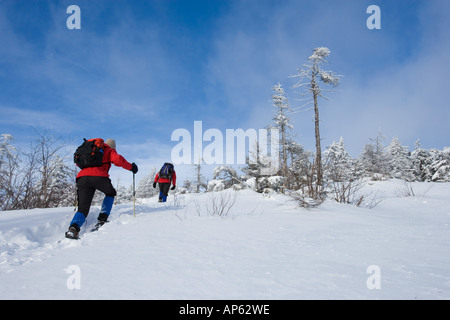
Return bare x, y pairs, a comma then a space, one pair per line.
97, 178
165, 177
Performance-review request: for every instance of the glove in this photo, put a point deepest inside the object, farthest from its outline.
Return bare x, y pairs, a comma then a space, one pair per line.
154, 184
173, 188
134, 168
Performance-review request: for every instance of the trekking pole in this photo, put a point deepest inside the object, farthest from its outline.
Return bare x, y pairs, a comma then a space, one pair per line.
76, 200
134, 197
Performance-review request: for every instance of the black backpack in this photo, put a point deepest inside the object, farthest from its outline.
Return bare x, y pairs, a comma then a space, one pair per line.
89, 154
166, 171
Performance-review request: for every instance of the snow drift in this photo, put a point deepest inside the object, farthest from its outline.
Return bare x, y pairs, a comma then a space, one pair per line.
264, 247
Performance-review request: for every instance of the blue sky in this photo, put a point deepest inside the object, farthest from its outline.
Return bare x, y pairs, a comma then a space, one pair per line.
137, 70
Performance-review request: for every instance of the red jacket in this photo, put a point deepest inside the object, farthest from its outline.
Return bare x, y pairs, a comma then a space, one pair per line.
110, 155
164, 180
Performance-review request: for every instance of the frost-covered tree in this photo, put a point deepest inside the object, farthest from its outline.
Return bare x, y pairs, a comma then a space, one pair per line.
299, 171
399, 163
441, 166
310, 77
40, 177
282, 122
145, 188
215, 185
200, 182
421, 161
257, 166
61, 184
227, 175
51, 173
339, 165
431, 164
9, 167
372, 161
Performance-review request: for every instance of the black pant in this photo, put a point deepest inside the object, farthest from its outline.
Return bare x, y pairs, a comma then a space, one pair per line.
164, 189
86, 187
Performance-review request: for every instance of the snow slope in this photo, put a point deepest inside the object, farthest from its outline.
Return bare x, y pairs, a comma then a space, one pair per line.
265, 248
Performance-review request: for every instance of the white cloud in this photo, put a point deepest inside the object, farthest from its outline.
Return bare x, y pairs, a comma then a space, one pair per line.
34, 118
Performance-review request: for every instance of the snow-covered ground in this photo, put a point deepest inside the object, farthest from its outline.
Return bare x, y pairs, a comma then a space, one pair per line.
265, 248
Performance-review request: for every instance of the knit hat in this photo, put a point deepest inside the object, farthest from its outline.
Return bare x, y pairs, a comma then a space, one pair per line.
111, 143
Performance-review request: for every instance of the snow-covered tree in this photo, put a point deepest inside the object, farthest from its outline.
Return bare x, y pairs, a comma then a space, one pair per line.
282, 122
309, 78
145, 188
338, 164
61, 184
299, 170
53, 178
399, 163
421, 162
373, 161
431, 164
200, 182
257, 167
9, 167
215, 185
227, 175
441, 167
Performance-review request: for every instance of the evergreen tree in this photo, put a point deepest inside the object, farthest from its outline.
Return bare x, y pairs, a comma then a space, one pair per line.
227, 175
300, 167
339, 166
373, 158
282, 122
256, 167
399, 163
421, 160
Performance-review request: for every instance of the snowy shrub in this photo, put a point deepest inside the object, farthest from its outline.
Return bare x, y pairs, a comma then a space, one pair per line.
217, 204
215, 185
378, 177
251, 183
275, 182
182, 190
304, 201
347, 191
220, 203
442, 173
227, 175
237, 187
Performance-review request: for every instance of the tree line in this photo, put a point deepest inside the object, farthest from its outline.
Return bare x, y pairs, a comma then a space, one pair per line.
43, 176
315, 175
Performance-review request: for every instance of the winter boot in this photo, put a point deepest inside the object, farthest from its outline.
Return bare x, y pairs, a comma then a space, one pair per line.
73, 232
101, 220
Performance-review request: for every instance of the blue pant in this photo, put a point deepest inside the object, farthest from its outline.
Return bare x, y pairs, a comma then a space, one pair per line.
79, 218
164, 191
86, 187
